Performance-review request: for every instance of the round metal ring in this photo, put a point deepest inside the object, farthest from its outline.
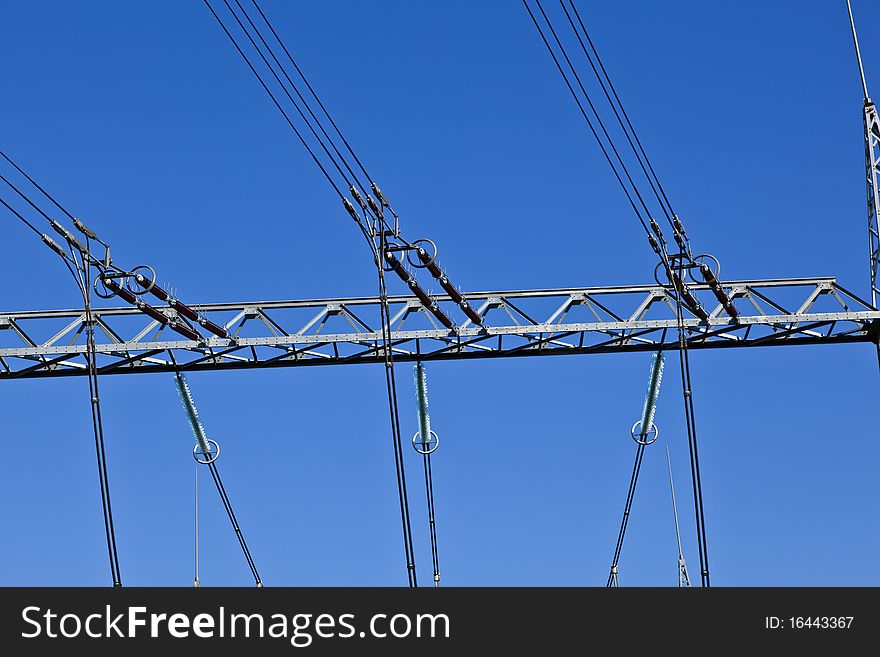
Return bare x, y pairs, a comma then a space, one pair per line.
657, 275
390, 249
701, 260
433, 252
649, 436
425, 447
211, 456
134, 285
104, 292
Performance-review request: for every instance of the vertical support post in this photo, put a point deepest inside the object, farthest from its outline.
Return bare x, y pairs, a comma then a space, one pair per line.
872, 161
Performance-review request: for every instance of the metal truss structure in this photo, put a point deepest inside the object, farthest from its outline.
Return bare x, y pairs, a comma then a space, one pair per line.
516, 323
872, 166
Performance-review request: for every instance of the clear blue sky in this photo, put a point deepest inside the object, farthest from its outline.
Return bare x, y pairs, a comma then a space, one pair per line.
144, 121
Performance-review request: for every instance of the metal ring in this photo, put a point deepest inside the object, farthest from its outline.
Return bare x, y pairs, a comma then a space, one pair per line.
716, 271
108, 293
419, 265
136, 287
390, 247
650, 435
656, 277
425, 447
211, 455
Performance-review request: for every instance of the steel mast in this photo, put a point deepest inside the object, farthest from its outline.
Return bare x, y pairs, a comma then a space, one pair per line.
872, 162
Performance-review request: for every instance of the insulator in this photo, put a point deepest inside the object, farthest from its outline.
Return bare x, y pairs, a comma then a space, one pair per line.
185, 331
453, 293
421, 381
150, 287
650, 407
120, 291
350, 208
654, 226
379, 195
213, 328
52, 244
192, 413
357, 196
373, 206
690, 299
718, 291
397, 266
653, 242
148, 310
85, 230
472, 314
184, 310
423, 296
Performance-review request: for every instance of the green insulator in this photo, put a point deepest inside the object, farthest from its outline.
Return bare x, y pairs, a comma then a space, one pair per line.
192, 413
653, 392
421, 382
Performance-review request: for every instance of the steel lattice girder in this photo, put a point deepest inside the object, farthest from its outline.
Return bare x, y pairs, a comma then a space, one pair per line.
573, 321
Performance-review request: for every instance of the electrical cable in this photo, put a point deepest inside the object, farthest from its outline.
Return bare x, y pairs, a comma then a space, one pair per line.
281, 84
598, 118
312, 91
35, 184
301, 98
274, 100
627, 508
641, 155
391, 387
680, 290
98, 424
227, 504
587, 119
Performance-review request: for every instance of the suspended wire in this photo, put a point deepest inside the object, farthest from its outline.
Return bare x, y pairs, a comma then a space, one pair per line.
312, 91
27, 200
21, 218
224, 497
97, 420
587, 119
300, 96
37, 185
432, 525
259, 51
677, 282
274, 100
196, 581
691, 424
79, 270
598, 118
386, 334
630, 496
641, 155
391, 387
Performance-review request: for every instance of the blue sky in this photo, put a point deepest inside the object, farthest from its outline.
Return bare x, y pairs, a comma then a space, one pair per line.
144, 121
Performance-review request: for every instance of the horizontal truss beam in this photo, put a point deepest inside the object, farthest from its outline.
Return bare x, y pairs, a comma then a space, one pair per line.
517, 323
